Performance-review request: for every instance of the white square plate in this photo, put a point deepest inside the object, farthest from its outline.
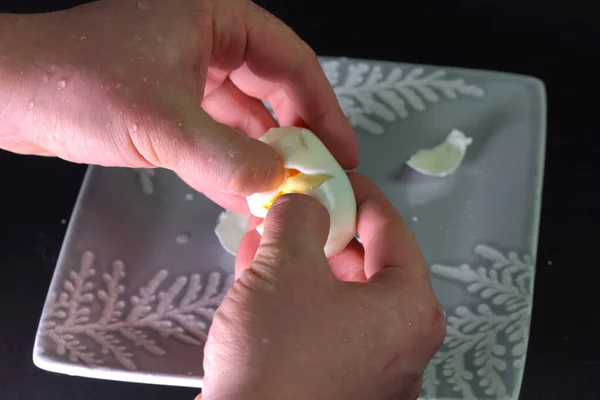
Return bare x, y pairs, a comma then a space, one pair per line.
141, 270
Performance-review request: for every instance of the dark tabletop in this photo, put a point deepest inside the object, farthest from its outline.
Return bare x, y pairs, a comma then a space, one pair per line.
554, 43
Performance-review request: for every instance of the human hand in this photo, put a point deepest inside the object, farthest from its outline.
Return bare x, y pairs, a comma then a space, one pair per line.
288, 329
120, 83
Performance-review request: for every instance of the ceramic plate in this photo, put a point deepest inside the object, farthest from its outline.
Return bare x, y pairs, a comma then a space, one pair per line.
141, 270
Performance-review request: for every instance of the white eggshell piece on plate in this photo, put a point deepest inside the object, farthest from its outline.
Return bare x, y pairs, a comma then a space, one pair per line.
443, 159
301, 150
231, 228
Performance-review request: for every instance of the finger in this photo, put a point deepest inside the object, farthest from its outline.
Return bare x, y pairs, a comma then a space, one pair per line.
295, 232
387, 241
209, 156
246, 252
230, 106
283, 69
253, 222
229, 202
348, 265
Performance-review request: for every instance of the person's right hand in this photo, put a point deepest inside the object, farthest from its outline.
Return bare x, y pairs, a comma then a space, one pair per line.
122, 82
361, 325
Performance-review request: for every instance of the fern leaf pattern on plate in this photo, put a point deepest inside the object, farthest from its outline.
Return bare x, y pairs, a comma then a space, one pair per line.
485, 340
373, 95
181, 310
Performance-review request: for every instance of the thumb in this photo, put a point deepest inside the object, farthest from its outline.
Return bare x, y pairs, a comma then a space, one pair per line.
295, 232
213, 157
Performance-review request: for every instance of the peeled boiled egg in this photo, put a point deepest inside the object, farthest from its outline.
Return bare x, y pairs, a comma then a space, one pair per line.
311, 170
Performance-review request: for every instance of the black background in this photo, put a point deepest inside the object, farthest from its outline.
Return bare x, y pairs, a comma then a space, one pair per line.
553, 42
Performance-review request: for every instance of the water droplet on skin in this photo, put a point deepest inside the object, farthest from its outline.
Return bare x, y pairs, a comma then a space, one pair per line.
133, 128
366, 305
82, 38
360, 320
189, 196
183, 238
345, 339
142, 5
30, 105
61, 84
264, 341
179, 124
138, 38
134, 105
118, 85
144, 79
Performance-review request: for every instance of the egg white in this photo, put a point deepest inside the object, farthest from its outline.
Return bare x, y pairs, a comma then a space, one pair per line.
301, 150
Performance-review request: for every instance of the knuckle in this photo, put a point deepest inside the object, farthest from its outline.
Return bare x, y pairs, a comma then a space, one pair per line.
433, 327
259, 278
307, 52
268, 257
438, 326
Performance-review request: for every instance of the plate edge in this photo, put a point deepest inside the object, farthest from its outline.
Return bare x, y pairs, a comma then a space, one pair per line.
535, 80
116, 375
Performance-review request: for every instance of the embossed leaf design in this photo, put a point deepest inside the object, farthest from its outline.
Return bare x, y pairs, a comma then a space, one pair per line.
488, 337
154, 311
371, 96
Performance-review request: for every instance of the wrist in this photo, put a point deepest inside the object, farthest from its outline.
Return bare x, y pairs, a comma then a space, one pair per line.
24, 44
239, 390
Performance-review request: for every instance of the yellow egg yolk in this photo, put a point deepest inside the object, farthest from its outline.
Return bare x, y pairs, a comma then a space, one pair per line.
298, 182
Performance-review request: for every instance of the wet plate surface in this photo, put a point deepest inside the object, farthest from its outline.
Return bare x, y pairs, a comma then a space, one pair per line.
142, 271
